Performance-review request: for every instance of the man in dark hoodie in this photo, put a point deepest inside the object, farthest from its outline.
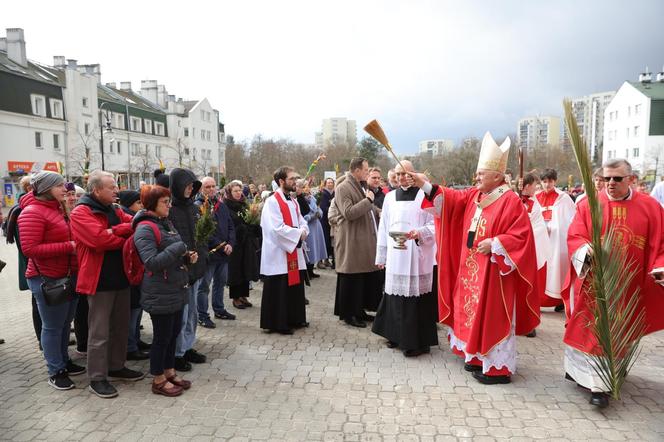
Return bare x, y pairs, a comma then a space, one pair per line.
100, 229
184, 214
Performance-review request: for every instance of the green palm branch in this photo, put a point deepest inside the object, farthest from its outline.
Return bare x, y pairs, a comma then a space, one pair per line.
618, 321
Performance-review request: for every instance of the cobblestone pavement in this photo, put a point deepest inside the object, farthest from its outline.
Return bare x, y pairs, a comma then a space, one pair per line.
327, 382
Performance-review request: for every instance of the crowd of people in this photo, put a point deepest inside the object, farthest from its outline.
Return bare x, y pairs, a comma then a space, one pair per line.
408, 254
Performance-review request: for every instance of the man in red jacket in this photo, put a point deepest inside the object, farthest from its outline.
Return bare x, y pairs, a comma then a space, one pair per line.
100, 230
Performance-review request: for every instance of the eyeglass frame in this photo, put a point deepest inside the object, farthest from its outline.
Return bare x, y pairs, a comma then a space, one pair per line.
617, 179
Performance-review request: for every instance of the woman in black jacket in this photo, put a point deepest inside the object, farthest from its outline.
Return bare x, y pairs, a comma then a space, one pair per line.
164, 288
244, 262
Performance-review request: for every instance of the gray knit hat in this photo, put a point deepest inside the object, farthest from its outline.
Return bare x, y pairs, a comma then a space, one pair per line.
44, 181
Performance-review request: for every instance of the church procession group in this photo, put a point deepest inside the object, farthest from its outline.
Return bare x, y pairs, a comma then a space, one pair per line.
481, 261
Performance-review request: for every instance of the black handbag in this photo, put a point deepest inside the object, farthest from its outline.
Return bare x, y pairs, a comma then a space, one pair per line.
56, 291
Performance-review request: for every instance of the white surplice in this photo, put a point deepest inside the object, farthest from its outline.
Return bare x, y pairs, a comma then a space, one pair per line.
407, 272
558, 264
542, 240
280, 239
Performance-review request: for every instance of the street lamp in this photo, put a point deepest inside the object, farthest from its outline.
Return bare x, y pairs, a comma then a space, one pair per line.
105, 128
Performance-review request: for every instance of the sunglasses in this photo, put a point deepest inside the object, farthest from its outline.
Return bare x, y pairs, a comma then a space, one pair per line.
617, 179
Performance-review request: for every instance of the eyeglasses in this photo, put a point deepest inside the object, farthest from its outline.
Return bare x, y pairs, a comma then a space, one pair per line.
617, 179
166, 202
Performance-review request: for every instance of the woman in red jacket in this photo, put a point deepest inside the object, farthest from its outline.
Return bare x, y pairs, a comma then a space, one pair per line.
46, 242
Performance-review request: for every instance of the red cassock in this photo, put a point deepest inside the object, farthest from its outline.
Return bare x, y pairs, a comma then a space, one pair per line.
475, 299
640, 225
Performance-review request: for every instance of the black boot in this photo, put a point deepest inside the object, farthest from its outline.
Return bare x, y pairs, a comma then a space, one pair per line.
600, 400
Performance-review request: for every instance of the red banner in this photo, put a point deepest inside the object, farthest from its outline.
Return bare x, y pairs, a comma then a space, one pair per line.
27, 166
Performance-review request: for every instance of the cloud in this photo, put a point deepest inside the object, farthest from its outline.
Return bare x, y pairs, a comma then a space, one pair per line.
425, 69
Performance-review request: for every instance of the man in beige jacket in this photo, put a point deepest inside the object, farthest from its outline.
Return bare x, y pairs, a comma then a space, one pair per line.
354, 218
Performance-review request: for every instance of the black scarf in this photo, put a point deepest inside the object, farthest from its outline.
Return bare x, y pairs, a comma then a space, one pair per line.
304, 204
96, 206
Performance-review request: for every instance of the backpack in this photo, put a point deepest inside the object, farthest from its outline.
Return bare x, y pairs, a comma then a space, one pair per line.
131, 260
10, 225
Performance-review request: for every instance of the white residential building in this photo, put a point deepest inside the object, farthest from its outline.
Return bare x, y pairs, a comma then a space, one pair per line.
33, 126
337, 131
589, 114
51, 116
196, 135
634, 124
436, 147
533, 132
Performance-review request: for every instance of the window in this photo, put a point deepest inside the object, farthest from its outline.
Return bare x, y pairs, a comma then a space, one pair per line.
86, 129
136, 124
84, 102
147, 149
38, 140
194, 154
159, 128
119, 121
193, 132
118, 144
157, 151
186, 151
56, 108
134, 149
38, 105
635, 152
148, 126
110, 146
203, 115
636, 131
186, 132
209, 135
637, 109
56, 141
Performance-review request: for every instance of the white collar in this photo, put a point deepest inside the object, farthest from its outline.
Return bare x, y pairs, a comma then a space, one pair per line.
629, 196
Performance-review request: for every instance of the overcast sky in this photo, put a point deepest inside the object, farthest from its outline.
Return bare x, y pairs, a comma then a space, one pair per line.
424, 69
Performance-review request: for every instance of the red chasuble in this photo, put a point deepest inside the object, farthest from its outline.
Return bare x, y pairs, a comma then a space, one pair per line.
640, 223
475, 299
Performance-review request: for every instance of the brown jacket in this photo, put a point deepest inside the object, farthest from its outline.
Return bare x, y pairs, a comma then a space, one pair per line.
350, 216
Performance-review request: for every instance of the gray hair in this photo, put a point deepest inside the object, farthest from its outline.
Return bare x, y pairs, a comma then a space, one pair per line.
616, 163
95, 179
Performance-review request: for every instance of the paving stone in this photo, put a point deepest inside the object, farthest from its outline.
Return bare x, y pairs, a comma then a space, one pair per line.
326, 382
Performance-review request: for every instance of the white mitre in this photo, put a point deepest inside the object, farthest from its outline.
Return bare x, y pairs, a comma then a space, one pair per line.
492, 156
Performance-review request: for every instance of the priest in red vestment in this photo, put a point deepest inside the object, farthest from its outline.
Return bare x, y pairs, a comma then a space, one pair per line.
639, 220
487, 266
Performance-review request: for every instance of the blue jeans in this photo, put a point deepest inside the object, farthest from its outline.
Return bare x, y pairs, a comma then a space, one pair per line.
217, 272
134, 329
56, 323
187, 336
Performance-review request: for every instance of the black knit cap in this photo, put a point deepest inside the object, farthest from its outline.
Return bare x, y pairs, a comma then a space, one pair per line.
128, 197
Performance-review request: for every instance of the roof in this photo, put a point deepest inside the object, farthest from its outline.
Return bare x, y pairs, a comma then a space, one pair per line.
189, 105
130, 98
33, 71
654, 90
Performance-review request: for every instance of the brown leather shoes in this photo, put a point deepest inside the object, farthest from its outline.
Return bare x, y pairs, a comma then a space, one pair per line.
161, 388
186, 385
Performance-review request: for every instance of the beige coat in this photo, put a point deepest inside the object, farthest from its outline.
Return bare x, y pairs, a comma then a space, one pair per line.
350, 218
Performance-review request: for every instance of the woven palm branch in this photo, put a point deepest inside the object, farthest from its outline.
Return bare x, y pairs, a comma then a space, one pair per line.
618, 322
374, 129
